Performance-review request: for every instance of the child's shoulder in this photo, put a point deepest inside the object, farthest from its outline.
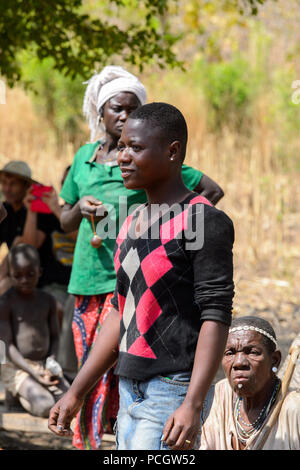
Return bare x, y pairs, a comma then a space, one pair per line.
7, 302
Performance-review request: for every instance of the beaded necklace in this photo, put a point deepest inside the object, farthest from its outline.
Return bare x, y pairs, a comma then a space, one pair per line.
104, 160
253, 428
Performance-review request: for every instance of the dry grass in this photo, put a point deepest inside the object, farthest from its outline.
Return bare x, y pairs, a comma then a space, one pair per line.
261, 198
262, 192
25, 136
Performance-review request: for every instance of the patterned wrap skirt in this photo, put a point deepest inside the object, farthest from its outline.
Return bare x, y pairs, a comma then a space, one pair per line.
99, 411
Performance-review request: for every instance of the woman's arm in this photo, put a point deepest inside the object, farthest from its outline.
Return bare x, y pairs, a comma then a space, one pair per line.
184, 423
102, 357
71, 216
209, 189
213, 293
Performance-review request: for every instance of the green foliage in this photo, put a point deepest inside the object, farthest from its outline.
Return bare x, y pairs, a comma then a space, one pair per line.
212, 28
56, 97
251, 6
76, 42
228, 91
79, 42
55, 46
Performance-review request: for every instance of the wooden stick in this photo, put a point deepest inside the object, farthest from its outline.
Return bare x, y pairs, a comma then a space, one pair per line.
294, 353
93, 224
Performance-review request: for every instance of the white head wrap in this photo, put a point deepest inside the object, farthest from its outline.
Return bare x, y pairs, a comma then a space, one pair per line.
103, 86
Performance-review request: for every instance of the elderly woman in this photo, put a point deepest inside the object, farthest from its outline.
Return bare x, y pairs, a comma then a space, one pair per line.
244, 401
95, 179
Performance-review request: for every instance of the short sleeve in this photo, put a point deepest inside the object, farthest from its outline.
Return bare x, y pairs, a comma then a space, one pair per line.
191, 177
70, 192
212, 262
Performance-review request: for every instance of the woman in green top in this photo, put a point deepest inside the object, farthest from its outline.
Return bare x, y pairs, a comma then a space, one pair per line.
95, 180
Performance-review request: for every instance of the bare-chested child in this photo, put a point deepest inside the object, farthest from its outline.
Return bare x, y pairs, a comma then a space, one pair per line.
29, 328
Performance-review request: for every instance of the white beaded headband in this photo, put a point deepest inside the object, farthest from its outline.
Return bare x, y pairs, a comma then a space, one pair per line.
254, 328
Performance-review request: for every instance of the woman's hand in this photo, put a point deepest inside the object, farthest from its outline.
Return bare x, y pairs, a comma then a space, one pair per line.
72, 215
101, 358
182, 428
89, 206
62, 414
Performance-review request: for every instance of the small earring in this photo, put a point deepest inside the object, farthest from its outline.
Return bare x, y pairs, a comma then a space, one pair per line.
274, 369
172, 158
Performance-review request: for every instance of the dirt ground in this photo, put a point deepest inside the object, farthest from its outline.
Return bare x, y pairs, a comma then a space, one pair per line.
10, 440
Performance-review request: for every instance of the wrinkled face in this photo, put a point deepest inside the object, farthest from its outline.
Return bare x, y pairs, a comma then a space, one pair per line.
144, 157
24, 274
116, 111
247, 362
13, 188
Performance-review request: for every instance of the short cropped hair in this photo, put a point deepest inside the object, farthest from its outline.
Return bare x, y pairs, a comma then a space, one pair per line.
258, 323
28, 251
168, 119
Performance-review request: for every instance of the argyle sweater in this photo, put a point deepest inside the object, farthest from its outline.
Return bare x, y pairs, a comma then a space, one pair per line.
171, 279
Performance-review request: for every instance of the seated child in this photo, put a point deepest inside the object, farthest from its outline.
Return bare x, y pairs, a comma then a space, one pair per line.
29, 328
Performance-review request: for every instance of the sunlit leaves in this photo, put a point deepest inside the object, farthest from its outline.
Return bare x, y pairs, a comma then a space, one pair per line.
77, 42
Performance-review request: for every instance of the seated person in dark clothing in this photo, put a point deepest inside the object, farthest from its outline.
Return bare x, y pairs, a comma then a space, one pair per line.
29, 328
63, 243
24, 225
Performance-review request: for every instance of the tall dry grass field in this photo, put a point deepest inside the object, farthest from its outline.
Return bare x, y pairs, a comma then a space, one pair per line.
262, 192
261, 196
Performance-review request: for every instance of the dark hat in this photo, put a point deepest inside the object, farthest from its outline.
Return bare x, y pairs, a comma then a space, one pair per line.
20, 169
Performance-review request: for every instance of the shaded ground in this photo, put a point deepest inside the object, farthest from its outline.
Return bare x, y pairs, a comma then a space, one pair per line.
10, 440
20, 440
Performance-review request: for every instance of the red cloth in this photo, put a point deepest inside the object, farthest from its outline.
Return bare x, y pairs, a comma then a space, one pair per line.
100, 408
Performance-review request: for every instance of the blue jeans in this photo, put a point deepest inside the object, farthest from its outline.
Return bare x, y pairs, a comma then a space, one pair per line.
145, 408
